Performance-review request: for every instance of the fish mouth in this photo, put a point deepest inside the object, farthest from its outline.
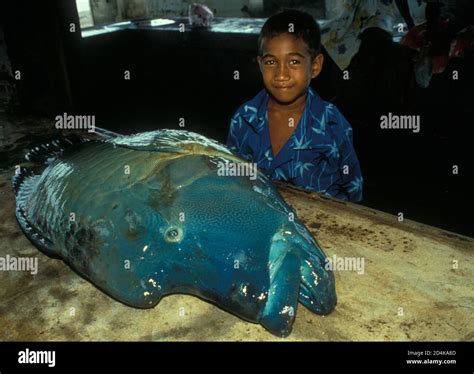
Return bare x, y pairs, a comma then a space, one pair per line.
322, 303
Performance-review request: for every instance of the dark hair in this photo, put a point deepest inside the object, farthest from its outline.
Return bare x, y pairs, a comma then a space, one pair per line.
304, 26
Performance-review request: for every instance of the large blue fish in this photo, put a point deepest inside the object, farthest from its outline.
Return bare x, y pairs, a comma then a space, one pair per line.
152, 214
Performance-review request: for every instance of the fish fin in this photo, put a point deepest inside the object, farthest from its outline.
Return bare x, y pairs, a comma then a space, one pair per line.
106, 134
24, 183
152, 141
47, 153
169, 140
150, 148
280, 310
318, 290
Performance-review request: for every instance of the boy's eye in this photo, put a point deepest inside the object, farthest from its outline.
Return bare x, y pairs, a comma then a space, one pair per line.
269, 62
294, 62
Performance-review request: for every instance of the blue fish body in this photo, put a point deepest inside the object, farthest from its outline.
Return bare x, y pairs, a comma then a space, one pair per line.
148, 215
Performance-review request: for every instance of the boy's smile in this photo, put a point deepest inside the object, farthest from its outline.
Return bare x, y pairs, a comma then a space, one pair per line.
287, 69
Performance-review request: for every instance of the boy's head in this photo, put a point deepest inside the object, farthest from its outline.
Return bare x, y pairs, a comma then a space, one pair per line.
289, 54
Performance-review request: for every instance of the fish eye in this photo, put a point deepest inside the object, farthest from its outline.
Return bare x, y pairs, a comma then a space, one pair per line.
173, 235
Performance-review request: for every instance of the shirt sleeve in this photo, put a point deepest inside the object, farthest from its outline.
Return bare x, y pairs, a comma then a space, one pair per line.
238, 136
350, 187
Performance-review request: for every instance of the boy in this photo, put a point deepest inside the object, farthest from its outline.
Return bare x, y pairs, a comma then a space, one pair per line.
287, 129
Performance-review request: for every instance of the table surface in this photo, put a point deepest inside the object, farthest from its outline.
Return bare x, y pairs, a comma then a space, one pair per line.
416, 285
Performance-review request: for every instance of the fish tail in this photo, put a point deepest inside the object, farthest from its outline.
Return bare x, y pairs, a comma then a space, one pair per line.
23, 180
24, 183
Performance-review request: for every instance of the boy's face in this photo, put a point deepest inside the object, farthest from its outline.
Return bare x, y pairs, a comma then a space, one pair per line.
287, 68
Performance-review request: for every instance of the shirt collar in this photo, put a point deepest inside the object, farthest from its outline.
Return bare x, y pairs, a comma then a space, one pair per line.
256, 114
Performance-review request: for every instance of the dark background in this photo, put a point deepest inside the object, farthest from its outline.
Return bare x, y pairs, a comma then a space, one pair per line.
191, 75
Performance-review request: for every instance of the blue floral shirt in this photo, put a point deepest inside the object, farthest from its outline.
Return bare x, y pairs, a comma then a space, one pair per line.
318, 156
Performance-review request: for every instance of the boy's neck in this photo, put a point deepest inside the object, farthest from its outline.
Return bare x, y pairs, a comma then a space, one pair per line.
295, 106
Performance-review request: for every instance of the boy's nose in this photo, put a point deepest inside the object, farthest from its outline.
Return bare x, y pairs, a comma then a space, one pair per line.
282, 73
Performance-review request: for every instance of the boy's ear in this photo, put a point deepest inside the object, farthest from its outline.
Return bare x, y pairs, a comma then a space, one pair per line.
317, 65
259, 61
